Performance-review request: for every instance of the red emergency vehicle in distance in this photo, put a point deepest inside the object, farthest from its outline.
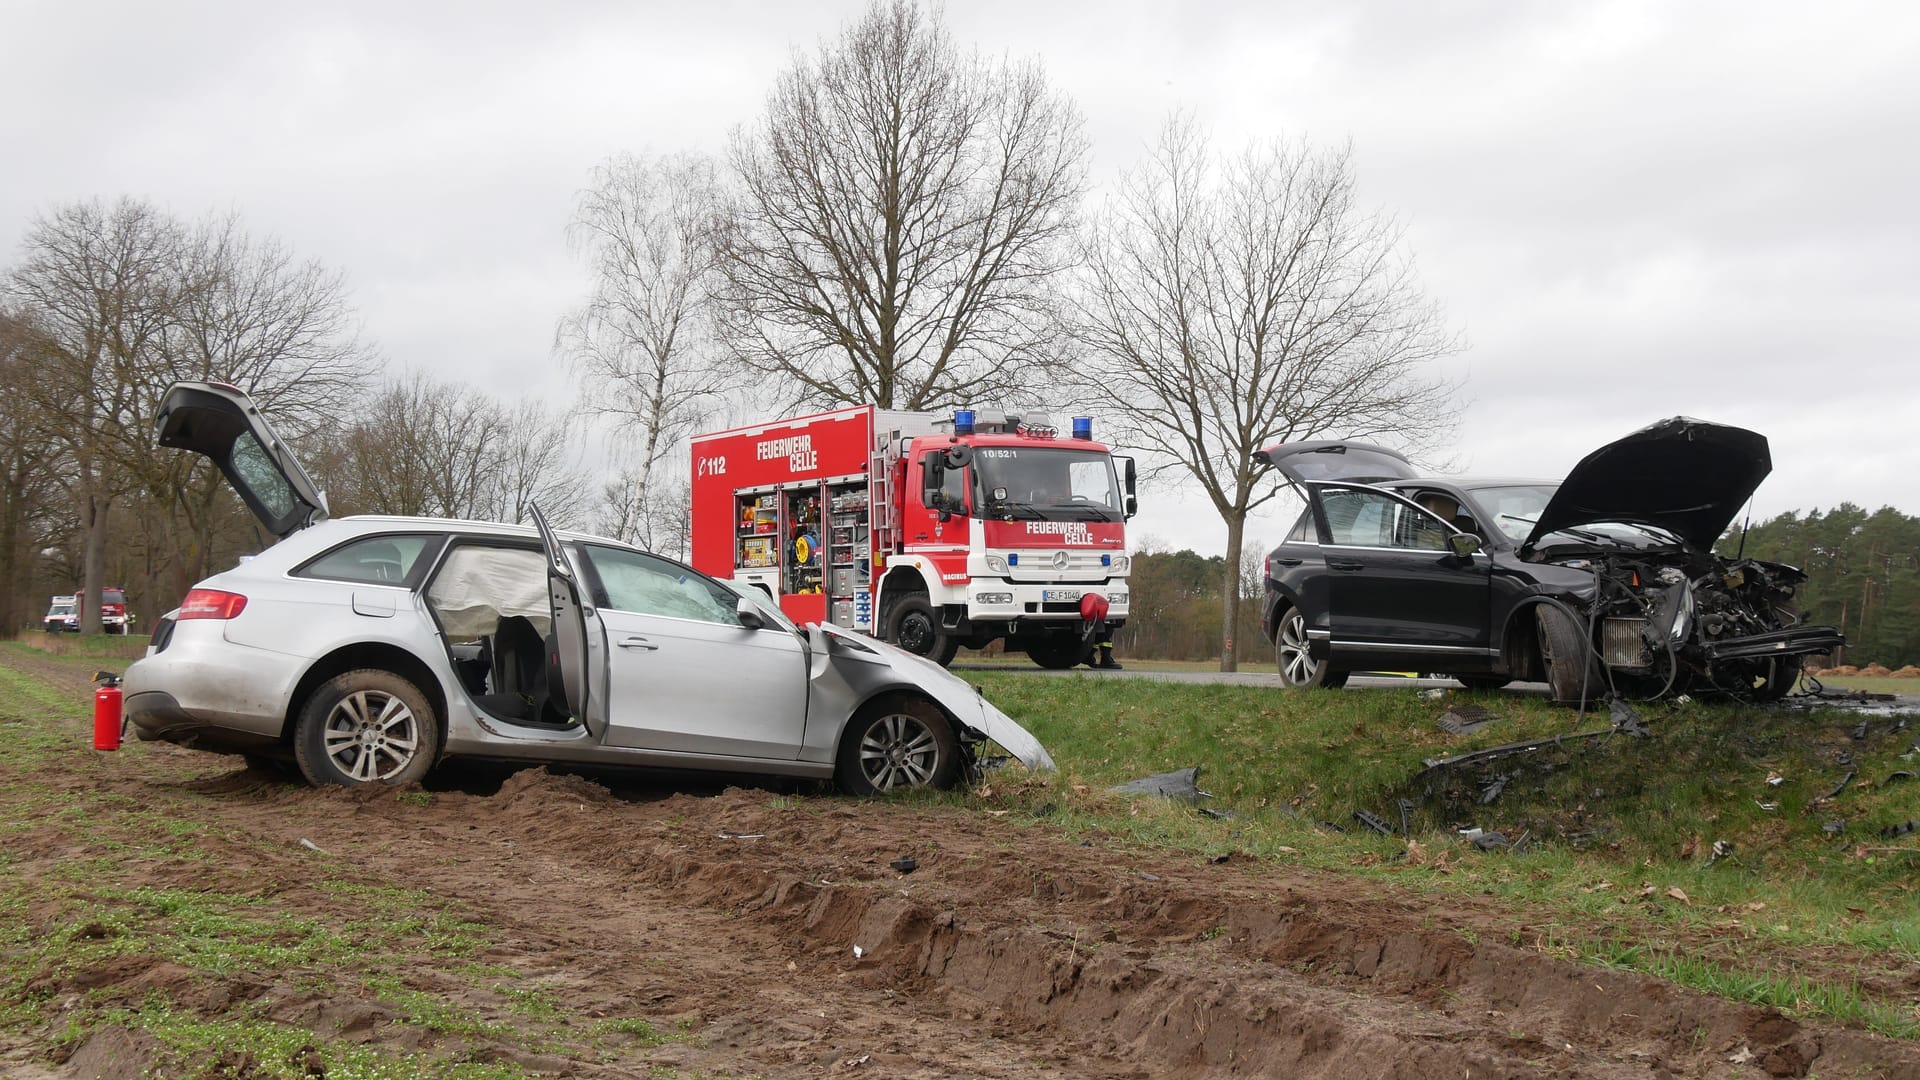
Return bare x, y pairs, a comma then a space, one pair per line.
929, 531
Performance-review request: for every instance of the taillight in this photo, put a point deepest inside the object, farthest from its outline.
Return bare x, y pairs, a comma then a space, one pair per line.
211, 604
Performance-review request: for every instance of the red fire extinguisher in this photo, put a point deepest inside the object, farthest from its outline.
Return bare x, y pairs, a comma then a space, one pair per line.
106, 711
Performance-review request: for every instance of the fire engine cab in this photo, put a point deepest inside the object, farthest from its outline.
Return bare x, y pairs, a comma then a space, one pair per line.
930, 531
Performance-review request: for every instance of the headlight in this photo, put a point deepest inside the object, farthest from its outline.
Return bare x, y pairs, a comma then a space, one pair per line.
1122, 563
1683, 619
996, 564
990, 598
1117, 598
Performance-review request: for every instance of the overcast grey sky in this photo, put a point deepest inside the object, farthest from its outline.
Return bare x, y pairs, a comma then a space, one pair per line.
1632, 210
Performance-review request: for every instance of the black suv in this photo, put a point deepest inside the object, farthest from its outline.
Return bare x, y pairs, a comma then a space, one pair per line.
1604, 583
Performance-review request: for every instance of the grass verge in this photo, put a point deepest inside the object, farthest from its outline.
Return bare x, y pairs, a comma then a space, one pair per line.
1805, 904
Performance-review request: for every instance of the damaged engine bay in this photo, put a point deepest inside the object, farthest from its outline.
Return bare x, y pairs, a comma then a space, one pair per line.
1691, 622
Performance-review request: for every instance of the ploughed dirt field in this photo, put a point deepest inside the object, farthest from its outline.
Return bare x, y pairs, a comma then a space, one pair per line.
556, 925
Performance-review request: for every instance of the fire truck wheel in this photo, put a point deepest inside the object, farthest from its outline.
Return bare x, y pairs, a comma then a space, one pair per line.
1058, 654
914, 628
365, 727
894, 744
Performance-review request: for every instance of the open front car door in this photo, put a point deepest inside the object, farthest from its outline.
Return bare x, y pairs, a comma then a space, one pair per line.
574, 649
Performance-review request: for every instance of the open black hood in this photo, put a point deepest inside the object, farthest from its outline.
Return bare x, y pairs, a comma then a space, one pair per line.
1687, 476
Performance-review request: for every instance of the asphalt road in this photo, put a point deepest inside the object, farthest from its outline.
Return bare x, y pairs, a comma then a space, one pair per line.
1904, 704
1249, 677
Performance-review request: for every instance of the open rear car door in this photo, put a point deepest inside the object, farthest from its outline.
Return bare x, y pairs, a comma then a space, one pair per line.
575, 646
222, 422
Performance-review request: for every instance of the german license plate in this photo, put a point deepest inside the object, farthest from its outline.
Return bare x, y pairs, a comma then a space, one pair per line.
1056, 596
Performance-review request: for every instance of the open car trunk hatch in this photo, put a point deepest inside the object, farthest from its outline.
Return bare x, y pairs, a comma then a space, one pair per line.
223, 423
1321, 460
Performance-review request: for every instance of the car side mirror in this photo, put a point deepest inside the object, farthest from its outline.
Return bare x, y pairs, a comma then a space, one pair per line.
1133, 506
1463, 544
749, 614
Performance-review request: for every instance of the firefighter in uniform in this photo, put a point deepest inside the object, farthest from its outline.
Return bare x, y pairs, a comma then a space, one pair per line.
1093, 613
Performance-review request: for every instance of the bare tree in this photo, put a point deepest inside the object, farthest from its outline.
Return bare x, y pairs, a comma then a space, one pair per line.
660, 522
903, 210
535, 465
99, 283
29, 473
248, 313
1234, 303
642, 343
420, 448
424, 448
282, 329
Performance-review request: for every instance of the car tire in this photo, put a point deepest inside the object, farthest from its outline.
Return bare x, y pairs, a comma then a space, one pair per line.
1059, 653
1297, 666
366, 726
1572, 669
1482, 682
895, 744
913, 626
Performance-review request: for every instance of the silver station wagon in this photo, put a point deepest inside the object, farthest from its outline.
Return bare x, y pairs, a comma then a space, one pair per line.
368, 649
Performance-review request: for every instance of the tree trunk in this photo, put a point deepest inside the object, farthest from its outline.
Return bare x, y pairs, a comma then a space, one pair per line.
1230, 593
12, 561
94, 513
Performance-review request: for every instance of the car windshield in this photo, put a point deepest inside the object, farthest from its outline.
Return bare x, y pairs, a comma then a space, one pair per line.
1038, 483
61, 609
1514, 508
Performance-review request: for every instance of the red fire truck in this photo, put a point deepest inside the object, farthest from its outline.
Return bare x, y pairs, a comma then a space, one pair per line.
928, 531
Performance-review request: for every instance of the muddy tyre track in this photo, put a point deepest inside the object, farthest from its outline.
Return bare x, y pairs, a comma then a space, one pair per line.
1011, 950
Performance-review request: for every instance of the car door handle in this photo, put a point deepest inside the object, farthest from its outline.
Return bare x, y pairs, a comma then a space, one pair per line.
637, 643
1287, 562
1346, 565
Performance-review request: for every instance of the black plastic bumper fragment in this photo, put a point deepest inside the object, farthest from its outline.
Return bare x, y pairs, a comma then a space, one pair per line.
1839, 787
1373, 821
1793, 641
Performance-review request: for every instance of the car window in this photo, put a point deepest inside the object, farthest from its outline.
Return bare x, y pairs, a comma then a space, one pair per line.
256, 469
648, 585
1515, 507
1357, 518
1303, 529
376, 560
953, 486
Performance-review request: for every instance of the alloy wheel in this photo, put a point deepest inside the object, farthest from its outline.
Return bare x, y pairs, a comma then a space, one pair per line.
370, 735
897, 751
1297, 666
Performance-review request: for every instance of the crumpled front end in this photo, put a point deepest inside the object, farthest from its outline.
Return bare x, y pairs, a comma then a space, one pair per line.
953, 694
1690, 622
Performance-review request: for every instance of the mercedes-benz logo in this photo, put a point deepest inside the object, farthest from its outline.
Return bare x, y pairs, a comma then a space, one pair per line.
1060, 559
